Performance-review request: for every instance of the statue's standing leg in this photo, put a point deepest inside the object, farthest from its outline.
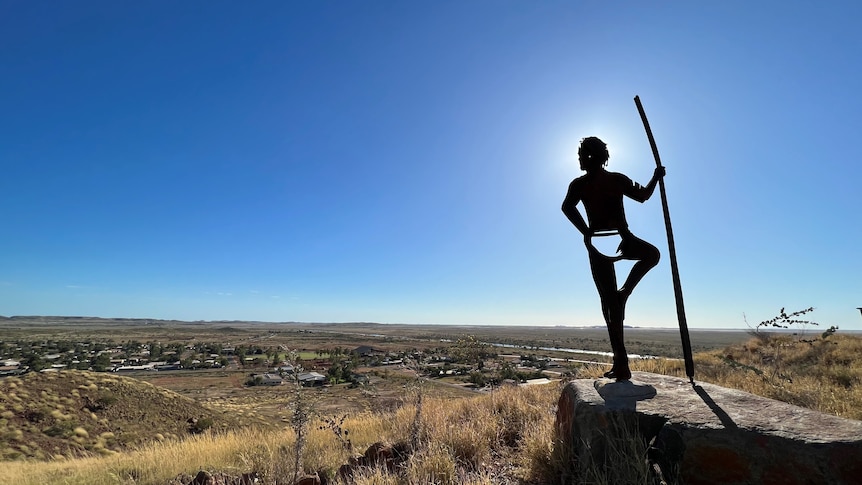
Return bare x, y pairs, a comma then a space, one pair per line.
605, 278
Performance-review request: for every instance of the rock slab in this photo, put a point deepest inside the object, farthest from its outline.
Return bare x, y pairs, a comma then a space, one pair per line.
707, 434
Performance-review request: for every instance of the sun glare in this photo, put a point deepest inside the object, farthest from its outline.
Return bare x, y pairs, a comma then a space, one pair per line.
624, 153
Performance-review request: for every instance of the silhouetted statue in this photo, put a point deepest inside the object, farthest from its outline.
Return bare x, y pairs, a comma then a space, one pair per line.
602, 194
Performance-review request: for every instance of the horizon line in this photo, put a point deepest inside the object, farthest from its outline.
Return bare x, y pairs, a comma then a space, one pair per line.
358, 322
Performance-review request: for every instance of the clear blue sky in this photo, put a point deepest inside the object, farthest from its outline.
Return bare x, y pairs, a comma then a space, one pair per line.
405, 162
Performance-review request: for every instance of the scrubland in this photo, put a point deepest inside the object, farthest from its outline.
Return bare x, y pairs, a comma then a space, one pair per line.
504, 436
494, 438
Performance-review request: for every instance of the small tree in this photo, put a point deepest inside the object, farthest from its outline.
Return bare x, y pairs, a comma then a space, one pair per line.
102, 362
301, 411
782, 320
478, 379
35, 362
469, 350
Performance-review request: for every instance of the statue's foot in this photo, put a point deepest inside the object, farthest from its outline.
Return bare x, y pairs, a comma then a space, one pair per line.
622, 374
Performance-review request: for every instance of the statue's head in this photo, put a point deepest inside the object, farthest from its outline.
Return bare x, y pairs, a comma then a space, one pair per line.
593, 153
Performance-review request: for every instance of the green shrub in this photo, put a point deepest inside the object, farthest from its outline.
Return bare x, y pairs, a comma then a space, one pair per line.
201, 425
101, 401
36, 415
60, 429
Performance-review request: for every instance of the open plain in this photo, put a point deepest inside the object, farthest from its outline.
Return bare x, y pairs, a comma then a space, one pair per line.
266, 345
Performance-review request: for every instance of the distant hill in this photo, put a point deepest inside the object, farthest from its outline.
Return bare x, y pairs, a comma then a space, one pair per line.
74, 413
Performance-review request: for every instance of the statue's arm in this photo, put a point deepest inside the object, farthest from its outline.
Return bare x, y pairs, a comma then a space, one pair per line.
642, 194
570, 209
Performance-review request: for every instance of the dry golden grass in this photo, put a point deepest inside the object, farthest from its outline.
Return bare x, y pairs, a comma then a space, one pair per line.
156, 464
77, 413
464, 441
824, 374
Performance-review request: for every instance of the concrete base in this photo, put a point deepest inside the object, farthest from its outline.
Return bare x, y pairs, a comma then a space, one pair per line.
706, 434
623, 395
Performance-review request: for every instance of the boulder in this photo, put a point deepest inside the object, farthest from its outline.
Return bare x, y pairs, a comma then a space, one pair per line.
705, 434
203, 478
379, 454
309, 480
206, 478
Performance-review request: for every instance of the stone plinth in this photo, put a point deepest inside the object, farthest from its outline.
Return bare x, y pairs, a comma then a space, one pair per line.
706, 434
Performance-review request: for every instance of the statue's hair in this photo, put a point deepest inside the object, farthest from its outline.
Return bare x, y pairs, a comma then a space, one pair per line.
594, 150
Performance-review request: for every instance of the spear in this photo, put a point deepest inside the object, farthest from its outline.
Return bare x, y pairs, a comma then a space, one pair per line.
674, 269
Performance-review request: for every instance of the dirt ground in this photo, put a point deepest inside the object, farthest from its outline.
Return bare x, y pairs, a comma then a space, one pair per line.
226, 390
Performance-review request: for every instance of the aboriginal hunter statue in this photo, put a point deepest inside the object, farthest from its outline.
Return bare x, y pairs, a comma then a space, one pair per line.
601, 193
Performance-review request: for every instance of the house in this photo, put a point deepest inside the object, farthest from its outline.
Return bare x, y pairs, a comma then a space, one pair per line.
552, 373
267, 379
12, 370
311, 379
536, 382
134, 368
366, 351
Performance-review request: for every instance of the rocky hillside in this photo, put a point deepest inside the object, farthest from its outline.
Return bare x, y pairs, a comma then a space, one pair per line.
75, 413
